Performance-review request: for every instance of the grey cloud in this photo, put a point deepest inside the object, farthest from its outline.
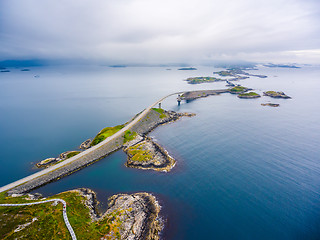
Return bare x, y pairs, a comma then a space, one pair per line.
158, 31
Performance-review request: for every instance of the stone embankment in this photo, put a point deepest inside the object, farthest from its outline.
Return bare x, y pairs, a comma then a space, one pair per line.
146, 124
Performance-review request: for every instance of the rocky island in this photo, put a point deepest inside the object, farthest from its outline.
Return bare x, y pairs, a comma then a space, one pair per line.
129, 216
275, 94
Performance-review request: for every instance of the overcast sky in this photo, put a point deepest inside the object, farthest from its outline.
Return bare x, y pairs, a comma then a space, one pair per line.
161, 31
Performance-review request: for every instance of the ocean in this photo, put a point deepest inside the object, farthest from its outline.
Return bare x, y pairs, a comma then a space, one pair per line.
244, 171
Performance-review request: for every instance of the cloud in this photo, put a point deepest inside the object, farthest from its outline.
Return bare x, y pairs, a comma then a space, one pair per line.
157, 31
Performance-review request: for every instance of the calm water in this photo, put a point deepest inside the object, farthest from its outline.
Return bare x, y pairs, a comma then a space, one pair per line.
243, 171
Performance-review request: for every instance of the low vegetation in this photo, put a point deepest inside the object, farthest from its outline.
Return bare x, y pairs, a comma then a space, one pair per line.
71, 154
129, 136
45, 221
197, 80
249, 94
104, 133
139, 153
238, 89
161, 111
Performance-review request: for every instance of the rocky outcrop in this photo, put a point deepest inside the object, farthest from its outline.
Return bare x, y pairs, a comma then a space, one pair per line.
68, 154
146, 154
47, 162
270, 104
275, 94
136, 215
86, 144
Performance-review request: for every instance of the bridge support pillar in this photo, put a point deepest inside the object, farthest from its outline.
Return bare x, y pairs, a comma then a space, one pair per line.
159, 104
179, 99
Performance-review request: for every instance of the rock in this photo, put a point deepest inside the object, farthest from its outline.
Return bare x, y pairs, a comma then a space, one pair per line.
34, 196
139, 217
86, 144
48, 161
147, 154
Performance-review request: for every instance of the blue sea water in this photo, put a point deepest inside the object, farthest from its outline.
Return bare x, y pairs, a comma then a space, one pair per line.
243, 171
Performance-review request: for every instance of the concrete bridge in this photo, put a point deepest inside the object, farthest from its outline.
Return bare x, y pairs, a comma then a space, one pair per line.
88, 156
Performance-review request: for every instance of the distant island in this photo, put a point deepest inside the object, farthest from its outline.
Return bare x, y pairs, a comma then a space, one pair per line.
117, 66
187, 68
271, 65
270, 104
235, 73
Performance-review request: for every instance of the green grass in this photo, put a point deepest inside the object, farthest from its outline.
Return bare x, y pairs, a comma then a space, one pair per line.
71, 154
50, 224
128, 136
104, 133
161, 111
224, 73
249, 94
138, 153
195, 80
238, 89
272, 92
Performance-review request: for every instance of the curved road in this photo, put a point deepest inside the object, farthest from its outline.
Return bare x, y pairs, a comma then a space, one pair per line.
66, 162
65, 217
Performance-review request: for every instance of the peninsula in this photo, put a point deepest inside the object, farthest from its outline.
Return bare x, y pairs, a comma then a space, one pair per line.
129, 216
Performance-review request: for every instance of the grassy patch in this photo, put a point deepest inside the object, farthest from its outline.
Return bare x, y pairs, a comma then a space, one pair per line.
71, 154
104, 133
49, 222
238, 89
248, 94
138, 153
224, 73
161, 111
128, 136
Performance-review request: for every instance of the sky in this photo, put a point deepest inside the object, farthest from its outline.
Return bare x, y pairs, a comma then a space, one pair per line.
161, 31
